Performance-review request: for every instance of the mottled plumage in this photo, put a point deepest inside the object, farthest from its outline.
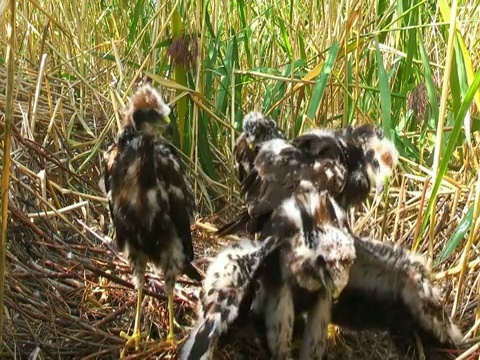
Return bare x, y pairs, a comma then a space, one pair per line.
390, 289
387, 289
150, 199
314, 267
347, 164
310, 233
257, 128
224, 289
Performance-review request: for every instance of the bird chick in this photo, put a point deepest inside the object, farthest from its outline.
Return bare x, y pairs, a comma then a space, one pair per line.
150, 199
257, 128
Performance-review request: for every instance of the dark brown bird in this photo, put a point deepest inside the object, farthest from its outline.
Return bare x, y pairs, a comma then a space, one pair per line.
150, 199
347, 164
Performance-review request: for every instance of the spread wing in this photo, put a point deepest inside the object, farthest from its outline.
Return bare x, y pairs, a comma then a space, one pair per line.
390, 289
225, 286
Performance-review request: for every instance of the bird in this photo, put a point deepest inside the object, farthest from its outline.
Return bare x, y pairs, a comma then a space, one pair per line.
347, 163
391, 289
309, 232
257, 128
150, 199
368, 166
226, 284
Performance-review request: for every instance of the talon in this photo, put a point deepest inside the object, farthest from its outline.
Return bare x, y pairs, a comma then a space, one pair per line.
335, 338
134, 338
169, 342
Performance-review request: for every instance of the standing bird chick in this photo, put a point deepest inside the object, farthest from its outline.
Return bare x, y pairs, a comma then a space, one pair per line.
151, 202
257, 128
307, 275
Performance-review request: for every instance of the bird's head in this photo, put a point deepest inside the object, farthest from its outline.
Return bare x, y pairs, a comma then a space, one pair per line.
323, 251
259, 128
335, 250
379, 153
147, 112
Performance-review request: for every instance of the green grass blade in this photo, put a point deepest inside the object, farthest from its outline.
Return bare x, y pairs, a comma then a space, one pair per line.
321, 83
469, 96
180, 77
457, 236
133, 28
385, 99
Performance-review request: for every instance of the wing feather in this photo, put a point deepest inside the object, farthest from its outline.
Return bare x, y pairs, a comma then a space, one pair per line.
391, 289
110, 159
226, 284
181, 199
280, 169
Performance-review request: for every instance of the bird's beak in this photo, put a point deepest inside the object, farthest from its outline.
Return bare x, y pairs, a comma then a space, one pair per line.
161, 125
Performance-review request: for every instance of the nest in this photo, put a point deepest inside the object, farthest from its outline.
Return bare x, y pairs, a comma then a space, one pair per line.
69, 293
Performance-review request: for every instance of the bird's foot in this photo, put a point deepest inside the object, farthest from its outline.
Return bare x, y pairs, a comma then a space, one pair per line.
169, 342
134, 338
334, 337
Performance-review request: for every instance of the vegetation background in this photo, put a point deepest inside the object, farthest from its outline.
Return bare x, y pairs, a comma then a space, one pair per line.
409, 66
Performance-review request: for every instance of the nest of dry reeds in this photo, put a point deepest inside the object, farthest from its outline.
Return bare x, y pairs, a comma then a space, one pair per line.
69, 293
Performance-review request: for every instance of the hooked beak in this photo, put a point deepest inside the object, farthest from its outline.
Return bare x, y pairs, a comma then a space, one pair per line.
162, 125
166, 118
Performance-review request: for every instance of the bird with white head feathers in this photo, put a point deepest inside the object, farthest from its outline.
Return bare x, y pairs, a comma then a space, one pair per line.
257, 128
310, 233
348, 164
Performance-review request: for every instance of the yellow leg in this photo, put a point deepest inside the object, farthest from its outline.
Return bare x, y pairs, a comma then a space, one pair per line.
171, 333
170, 341
136, 336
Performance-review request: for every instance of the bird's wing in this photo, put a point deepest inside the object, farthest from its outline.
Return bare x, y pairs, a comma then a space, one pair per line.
391, 289
181, 199
226, 284
244, 157
110, 160
282, 169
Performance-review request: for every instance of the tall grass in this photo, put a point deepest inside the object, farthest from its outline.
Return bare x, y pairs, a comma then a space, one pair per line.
310, 63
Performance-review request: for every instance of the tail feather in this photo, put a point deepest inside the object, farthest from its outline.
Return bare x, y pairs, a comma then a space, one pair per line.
238, 225
200, 342
226, 284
